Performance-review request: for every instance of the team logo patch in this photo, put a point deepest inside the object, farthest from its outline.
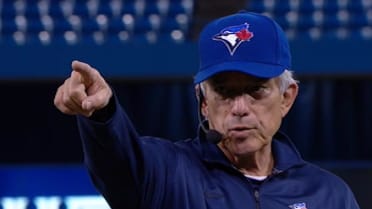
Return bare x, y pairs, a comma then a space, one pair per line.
233, 36
301, 205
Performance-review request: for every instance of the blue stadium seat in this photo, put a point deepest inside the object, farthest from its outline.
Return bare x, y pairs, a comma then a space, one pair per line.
317, 19
117, 20
306, 7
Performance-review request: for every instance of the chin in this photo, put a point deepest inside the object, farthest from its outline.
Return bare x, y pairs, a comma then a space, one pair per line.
245, 147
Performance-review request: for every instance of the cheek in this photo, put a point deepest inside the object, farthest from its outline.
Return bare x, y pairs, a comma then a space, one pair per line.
216, 116
270, 117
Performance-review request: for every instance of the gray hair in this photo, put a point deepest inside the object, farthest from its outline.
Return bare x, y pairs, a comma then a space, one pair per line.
285, 80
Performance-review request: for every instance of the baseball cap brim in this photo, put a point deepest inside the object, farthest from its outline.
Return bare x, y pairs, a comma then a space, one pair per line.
260, 70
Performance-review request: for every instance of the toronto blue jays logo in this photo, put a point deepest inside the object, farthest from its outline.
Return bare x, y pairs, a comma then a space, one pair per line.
301, 205
233, 36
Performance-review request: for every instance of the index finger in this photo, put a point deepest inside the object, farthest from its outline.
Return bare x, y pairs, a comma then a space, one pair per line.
85, 70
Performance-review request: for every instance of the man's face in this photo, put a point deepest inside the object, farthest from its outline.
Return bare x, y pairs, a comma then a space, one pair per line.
247, 110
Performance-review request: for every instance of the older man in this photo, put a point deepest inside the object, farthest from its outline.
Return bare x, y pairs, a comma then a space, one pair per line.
238, 159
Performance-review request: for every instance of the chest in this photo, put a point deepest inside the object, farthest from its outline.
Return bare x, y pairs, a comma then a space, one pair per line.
214, 188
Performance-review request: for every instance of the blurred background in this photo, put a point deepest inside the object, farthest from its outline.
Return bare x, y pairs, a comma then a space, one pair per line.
147, 50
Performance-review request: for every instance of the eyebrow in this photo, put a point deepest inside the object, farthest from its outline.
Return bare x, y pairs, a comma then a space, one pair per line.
218, 81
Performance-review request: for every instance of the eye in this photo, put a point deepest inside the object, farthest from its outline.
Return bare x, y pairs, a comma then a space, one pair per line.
257, 91
254, 89
227, 93
222, 91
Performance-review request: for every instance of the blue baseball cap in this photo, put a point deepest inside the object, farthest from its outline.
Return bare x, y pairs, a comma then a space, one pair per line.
245, 42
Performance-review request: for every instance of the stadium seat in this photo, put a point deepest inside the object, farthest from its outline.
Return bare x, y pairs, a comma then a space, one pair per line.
73, 21
317, 19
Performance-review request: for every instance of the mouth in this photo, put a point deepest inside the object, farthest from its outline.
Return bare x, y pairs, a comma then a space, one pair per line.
240, 132
240, 128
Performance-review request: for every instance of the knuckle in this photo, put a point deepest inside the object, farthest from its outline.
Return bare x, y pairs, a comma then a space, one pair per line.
58, 96
95, 73
66, 100
75, 93
57, 101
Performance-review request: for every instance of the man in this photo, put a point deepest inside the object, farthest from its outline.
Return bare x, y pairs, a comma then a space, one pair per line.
239, 158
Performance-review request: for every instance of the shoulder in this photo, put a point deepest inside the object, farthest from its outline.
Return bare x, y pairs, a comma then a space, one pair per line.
325, 178
162, 146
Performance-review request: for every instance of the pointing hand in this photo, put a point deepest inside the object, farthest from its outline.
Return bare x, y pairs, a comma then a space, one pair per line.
84, 92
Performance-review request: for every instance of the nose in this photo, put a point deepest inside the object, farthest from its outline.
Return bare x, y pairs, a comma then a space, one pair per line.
240, 106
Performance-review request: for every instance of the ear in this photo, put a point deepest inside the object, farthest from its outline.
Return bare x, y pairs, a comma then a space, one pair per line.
197, 92
201, 100
204, 108
288, 98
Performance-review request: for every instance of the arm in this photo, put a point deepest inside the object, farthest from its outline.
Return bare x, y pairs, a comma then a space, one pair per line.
113, 153
111, 145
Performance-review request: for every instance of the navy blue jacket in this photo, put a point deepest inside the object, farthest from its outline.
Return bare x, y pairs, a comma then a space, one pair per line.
133, 171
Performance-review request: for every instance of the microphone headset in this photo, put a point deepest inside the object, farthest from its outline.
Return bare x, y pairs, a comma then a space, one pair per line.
212, 136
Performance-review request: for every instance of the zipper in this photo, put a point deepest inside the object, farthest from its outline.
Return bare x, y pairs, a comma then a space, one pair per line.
256, 192
256, 195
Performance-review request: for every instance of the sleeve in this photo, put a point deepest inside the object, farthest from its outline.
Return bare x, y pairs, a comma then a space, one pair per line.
114, 157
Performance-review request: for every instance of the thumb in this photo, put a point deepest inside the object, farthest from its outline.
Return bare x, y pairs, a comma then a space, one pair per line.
97, 101
87, 105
